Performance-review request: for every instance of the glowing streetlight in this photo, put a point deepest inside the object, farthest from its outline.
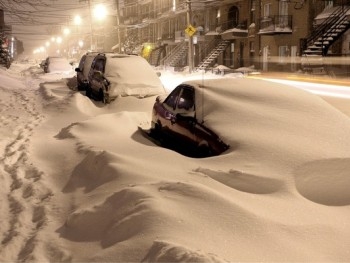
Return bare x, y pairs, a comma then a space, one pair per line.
66, 31
59, 40
100, 12
77, 20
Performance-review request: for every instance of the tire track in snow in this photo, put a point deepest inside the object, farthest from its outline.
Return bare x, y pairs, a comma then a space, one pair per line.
25, 193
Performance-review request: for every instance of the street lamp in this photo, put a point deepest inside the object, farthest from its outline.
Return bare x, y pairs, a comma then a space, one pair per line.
77, 20
100, 12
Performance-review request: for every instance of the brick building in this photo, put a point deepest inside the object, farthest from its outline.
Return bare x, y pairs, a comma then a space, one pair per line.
269, 34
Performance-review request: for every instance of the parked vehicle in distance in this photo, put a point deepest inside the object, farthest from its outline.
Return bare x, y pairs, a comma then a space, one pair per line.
83, 70
180, 117
113, 75
57, 65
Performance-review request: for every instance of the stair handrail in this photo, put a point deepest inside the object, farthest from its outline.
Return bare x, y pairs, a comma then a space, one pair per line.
209, 46
325, 25
221, 42
172, 53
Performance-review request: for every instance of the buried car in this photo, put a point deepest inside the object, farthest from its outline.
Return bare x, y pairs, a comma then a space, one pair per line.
56, 65
180, 119
113, 75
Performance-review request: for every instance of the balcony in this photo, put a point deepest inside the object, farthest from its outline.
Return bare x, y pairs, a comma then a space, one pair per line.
233, 32
272, 25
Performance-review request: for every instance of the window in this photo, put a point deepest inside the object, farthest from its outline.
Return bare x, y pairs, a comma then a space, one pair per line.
283, 8
328, 3
186, 99
267, 9
171, 100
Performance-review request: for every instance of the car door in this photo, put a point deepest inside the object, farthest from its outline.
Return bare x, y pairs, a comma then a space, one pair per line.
95, 79
79, 70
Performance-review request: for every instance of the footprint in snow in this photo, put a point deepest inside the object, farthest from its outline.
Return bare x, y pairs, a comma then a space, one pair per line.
325, 182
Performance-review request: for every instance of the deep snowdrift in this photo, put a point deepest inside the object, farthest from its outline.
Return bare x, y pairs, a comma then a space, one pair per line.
95, 189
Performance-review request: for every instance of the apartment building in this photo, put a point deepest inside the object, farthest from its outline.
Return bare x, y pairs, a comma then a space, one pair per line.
266, 34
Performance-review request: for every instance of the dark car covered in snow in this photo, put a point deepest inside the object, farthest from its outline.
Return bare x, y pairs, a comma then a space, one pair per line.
180, 117
119, 75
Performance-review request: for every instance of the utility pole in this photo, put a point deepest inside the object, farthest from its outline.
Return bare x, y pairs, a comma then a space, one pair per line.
190, 37
91, 31
118, 27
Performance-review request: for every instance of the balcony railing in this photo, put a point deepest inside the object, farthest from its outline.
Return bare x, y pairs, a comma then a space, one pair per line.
276, 24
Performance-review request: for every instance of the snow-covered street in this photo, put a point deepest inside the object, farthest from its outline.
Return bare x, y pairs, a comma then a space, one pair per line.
81, 184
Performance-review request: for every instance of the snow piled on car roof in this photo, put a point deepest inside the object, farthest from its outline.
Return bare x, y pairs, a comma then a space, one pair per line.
132, 76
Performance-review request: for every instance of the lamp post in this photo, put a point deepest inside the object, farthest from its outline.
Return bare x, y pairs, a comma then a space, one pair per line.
190, 37
66, 32
91, 30
118, 27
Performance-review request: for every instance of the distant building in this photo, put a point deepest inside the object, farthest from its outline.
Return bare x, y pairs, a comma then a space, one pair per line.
10, 44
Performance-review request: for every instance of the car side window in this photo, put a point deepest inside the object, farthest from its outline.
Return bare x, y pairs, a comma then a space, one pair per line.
172, 98
99, 65
186, 99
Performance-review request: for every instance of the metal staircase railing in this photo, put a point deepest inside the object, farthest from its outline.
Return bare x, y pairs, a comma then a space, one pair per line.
327, 32
213, 55
175, 55
156, 55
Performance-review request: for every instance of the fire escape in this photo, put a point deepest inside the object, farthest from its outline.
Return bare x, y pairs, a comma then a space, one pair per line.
316, 45
219, 47
174, 58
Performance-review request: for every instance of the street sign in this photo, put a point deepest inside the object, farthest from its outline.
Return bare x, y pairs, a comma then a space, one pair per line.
190, 30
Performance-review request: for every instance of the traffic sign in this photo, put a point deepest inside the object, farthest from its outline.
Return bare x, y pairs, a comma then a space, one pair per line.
190, 30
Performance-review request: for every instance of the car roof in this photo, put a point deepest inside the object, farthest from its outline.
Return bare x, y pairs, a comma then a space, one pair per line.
132, 74
91, 53
114, 55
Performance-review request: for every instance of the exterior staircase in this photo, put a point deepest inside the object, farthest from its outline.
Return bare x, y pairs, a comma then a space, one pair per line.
213, 55
174, 58
327, 33
156, 56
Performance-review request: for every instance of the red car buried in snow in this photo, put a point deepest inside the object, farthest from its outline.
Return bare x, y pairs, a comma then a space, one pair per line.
179, 118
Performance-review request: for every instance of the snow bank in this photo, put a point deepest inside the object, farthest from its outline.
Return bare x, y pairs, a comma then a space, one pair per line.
100, 191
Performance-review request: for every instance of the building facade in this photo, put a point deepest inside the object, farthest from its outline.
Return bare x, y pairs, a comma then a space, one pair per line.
266, 34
